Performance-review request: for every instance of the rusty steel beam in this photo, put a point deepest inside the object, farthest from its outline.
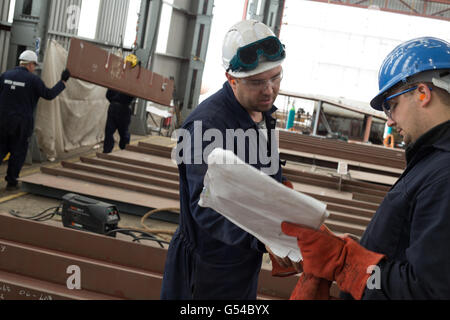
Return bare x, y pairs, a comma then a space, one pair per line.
97, 276
109, 266
129, 201
150, 151
318, 181
345, 227
125, 175
342, 150
138, 162
16, 287
349, 218
334, 179
345, 202
358, 212
312, 159
155, 146
342, 154
90, 63
367, 198
130, 168
110, 182
79, 243
377, 150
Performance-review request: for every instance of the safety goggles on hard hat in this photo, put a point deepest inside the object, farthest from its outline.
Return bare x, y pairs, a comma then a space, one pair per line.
388, 106
247, 58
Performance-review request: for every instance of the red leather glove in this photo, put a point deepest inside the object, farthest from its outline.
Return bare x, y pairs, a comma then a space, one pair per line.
310, 287
287, 183
330, 257
279, 271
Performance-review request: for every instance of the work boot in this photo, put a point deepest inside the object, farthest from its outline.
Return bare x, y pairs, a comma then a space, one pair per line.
12, 186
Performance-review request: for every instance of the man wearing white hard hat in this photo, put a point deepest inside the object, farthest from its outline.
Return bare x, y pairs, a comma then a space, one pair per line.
210, 257
20, 90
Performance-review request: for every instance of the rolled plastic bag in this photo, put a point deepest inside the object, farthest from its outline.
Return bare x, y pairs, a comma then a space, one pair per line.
257, 203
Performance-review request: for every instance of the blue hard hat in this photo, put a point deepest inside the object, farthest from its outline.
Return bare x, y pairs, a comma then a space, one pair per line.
409, 59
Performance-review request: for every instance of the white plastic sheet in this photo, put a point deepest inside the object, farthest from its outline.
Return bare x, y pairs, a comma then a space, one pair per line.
257, 203
77, 117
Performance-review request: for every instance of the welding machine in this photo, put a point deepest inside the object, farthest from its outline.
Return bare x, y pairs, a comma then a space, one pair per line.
82, 213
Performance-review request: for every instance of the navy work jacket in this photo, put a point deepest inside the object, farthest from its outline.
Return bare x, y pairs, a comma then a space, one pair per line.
412, 225
118, 98
210, 257
20, 91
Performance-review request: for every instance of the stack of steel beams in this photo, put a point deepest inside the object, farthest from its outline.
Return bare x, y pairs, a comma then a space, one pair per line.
367, 154
44, 262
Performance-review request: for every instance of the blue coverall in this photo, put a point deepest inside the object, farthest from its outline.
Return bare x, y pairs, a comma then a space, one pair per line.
412, 225
210, 257
119, 118
20, 91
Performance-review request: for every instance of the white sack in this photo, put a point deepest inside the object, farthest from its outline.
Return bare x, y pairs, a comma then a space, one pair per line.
257, 203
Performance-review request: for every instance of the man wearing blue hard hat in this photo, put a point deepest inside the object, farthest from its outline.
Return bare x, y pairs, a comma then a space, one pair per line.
209, 256
404, 252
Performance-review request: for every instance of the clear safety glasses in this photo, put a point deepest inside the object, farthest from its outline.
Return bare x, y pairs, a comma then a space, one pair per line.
388, 106
262, 84
247, 58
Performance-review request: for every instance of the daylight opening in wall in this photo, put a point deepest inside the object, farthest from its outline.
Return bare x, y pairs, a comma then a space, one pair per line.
88, 19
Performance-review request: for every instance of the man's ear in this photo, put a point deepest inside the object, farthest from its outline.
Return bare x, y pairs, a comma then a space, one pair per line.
231, 80
424, 94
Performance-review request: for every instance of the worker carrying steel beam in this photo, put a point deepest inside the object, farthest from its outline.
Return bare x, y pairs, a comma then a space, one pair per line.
119, 114
20, 91
403, 254
209, 256
119, 119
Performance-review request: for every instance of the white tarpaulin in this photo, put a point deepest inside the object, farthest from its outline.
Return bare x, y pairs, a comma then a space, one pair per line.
257, 203
77, 117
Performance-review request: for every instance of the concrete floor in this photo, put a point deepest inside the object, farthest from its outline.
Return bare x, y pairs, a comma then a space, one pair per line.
28, 205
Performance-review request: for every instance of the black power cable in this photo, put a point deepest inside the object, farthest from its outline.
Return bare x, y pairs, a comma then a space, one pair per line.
48, 214
45, 215
137, 238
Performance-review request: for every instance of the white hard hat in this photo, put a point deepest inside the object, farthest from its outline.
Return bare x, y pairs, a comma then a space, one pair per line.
242, 34
29, 56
